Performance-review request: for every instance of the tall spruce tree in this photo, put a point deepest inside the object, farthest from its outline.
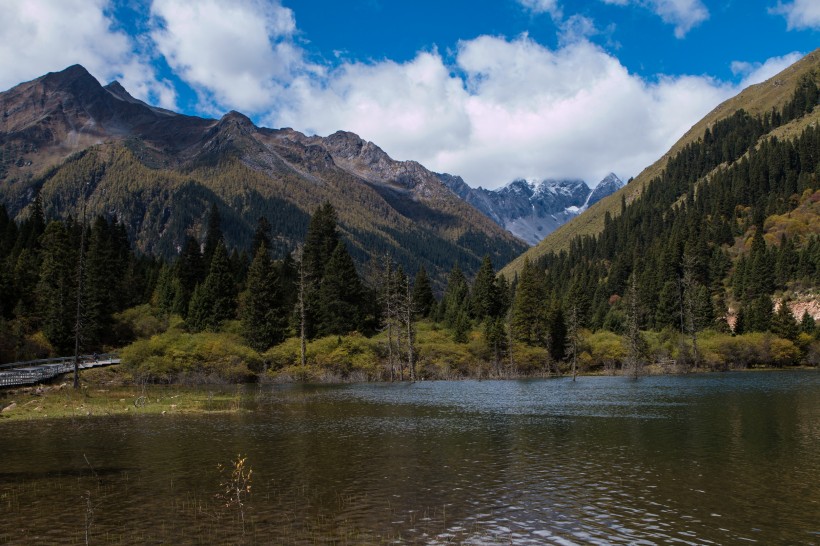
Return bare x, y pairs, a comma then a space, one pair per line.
423, 293
341, 295
456, 300
189, 273
56, 289
263, 317
212, 236
529, 317
484, 300
214, 301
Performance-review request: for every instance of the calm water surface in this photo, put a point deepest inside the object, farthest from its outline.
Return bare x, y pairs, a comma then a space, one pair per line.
706, 459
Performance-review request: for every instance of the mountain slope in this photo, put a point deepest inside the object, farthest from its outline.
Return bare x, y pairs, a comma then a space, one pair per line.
71, 139
531, 210
756, 100
724, 235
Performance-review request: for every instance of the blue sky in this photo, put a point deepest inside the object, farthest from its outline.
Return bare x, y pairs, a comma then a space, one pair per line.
491, 90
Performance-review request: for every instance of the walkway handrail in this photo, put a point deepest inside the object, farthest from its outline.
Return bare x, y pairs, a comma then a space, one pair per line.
58, 360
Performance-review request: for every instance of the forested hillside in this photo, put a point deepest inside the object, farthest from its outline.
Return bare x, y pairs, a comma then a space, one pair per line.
77, 144
756, 100
726, 238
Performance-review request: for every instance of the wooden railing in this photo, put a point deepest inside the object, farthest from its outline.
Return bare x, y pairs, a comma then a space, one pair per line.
34, 371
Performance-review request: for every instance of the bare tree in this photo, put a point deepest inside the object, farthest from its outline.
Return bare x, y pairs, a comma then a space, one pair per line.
389, 312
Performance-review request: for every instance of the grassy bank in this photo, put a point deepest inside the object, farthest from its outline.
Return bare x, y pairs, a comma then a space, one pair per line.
110, 391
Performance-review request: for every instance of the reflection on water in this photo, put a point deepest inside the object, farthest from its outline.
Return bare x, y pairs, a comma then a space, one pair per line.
692, 460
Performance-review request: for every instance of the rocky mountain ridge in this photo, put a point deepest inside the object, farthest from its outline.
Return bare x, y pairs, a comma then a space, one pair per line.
533, 209
71, 139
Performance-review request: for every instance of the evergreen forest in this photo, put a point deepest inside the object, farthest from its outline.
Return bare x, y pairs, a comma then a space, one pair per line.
706, 269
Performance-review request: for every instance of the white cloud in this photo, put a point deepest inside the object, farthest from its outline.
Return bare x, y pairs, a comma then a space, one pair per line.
800, 14
759, 72
231, 52
684, 14
39, 36
542, 6
494, 110
576, 28
506, 109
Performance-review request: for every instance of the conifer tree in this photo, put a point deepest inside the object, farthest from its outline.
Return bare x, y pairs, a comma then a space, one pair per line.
341, 295
102, 276
57, 286
557, 332
456, 298
261, 236
189, 272
783, 322
495, 335
212, 236
165, 290
423, 293
529, 319
262, 315
321, 241
633, 324
213, 301
807, 324
484, 299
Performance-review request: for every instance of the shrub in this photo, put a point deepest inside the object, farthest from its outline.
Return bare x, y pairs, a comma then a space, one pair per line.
176, 355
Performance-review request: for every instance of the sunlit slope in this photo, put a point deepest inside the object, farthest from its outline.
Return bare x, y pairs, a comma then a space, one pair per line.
756, 99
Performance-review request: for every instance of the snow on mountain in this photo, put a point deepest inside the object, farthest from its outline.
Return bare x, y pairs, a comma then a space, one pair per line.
532, 209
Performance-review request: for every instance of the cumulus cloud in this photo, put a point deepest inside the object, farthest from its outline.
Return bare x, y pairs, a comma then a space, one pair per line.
39, 36
231, 52
684, 14
542, 6
800, 14
492, 110
753, 72
506, 109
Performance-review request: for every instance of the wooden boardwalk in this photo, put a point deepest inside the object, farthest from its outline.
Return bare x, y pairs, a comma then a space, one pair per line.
35, 371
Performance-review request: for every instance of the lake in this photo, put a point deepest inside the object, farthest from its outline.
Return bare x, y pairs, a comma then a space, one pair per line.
699, 459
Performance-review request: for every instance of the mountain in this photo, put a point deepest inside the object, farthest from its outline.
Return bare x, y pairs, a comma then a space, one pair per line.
724, 235
757, 99
531, 210
74, 141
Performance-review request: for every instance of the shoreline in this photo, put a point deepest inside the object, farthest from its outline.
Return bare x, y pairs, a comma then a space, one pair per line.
106, 393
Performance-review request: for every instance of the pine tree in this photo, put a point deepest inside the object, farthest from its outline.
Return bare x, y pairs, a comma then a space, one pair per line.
56, 289
165, 290
212, 236
557, 332
189, 272
635, 341
783, 322
807, 324
495, 336
529, 320
484, 300
321, 241
261, 235
262, 315
213, 301
456, 300
101, 283
341, 296
423, 293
